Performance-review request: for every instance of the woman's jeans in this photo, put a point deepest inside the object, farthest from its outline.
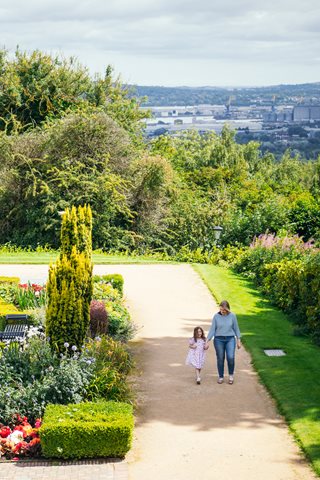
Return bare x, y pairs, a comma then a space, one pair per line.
225, 346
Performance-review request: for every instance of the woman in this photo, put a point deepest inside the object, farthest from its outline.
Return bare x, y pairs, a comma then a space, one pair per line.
225, 332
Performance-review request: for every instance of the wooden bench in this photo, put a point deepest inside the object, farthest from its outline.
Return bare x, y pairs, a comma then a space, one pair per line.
16, 327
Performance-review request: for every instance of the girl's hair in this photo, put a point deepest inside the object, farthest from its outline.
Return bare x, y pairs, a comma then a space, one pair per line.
195, 333
225, 304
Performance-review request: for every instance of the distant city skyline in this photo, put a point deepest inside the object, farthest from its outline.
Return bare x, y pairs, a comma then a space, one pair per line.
226, 43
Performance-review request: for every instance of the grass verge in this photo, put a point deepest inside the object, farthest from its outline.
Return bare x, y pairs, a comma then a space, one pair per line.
293, 380
39, 258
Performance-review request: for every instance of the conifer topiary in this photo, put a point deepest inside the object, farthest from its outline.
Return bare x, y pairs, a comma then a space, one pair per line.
70, 285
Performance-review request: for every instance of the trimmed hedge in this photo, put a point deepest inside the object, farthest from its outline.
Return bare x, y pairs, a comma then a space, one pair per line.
115, 280
87, 430
5, 309
13, 280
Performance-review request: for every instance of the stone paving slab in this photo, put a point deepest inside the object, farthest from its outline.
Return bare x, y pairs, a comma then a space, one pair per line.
81, 470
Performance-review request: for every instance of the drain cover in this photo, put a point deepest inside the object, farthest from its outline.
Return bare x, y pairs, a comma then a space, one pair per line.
274, 353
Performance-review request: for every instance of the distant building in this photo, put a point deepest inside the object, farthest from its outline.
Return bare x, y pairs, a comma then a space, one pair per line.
305, 113
278, 117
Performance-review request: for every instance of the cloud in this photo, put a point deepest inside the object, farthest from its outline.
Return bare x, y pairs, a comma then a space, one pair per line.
232, 33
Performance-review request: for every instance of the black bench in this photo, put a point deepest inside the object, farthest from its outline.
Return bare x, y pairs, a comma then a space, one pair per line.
16, 327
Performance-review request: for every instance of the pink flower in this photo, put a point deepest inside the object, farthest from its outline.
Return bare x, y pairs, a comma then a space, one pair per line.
38, 423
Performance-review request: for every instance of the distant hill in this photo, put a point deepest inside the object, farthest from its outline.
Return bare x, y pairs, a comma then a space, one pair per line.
182, 96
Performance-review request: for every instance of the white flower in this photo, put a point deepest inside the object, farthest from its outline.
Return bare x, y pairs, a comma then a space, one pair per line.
16, 437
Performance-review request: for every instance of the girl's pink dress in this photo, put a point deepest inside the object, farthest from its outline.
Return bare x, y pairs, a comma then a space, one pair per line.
196, 356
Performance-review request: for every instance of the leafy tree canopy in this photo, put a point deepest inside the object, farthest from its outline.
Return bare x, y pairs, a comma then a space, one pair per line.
37, 87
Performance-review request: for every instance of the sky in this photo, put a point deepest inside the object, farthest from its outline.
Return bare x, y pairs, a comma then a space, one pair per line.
174, 42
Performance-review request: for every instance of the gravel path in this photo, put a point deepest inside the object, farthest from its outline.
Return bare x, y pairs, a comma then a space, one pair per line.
185, 431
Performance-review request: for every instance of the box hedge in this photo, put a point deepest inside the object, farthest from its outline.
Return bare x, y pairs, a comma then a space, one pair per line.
87, 430
10, 280
5, 309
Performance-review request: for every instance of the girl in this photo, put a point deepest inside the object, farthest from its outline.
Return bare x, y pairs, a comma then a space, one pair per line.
196, 354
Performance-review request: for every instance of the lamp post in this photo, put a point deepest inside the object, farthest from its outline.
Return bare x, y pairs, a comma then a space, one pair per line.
217, 232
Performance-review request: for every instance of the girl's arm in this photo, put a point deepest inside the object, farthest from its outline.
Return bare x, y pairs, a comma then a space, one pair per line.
212, 330
192, 343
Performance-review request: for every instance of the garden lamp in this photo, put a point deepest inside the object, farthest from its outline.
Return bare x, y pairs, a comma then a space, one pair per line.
217, 232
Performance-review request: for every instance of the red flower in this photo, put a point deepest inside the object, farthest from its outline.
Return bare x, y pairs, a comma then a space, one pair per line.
5, 432
20, 447
34, 441
36, 288
23, 285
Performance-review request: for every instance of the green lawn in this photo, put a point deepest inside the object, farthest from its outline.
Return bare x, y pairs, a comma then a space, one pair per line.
37, 258
293, 380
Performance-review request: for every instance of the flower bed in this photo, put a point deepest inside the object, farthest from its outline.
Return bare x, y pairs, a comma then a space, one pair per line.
35, 375
21, 439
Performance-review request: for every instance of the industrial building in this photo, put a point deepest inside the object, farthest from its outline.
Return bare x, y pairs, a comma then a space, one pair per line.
306, 113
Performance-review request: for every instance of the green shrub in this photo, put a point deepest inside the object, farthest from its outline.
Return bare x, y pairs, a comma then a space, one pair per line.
114, 279
104, 291
112, 364
109, 384
11, 280
309, 299
120, 325
288, 272
108, 351
280, 283
268, 249
87, 430
35, 376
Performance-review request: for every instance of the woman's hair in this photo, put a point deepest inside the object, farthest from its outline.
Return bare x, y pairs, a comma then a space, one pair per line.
195, 333
225, 304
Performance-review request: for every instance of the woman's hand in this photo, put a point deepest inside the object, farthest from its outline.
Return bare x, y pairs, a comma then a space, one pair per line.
238, 343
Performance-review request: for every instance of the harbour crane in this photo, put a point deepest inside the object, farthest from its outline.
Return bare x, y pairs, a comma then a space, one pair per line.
228, 104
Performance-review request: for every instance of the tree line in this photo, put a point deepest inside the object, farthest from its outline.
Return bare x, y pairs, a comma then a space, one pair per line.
71, 139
